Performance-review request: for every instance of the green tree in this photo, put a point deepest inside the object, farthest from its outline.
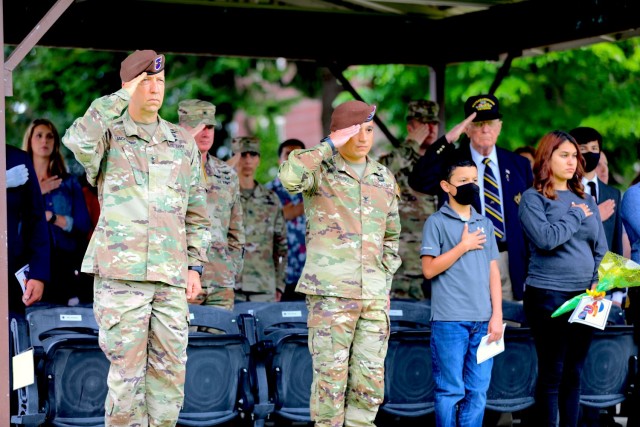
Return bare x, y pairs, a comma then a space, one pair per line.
591, 86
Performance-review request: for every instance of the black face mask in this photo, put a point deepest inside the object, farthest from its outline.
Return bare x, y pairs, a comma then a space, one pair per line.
591, 161
466, 193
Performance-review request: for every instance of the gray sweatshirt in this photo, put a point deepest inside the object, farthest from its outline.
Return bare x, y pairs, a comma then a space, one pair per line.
566, 246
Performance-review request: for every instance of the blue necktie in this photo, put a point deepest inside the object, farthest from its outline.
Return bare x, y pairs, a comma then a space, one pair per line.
492, 205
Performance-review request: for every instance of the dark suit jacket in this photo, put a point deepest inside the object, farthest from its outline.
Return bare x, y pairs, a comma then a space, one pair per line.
515, 176
612, 226
27, 231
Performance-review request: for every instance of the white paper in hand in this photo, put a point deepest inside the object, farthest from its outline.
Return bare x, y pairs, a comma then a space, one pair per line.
487, 350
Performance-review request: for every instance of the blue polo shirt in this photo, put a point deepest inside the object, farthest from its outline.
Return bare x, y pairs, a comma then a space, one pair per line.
460, 293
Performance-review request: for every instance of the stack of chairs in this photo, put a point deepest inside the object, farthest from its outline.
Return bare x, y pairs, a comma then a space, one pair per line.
253, 365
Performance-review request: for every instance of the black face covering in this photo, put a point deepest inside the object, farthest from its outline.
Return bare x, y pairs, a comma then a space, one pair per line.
466, 193
590, 161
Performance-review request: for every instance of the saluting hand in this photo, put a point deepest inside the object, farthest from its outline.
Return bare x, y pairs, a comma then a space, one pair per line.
457, 130
132, 85
341, 136
472, 241
419, 132
196, 130
234, 160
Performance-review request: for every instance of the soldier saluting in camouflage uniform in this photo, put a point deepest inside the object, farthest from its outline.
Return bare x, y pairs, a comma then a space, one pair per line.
224, 207
353, 228
422, 127
153, 225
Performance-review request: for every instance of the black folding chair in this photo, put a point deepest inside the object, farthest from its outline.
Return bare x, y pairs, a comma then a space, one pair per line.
409, 385
71, 369
217, 385
607, 376
515, 371
282, 336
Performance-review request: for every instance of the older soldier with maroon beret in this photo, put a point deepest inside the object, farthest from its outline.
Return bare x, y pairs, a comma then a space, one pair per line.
224, 207
150, 242
353, 229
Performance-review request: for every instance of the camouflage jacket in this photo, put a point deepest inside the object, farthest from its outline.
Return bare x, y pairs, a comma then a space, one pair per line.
153, 219
414, 207
353, 225
265, 257
227, 229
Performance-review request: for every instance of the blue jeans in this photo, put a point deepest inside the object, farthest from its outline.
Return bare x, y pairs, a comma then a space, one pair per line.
461, 383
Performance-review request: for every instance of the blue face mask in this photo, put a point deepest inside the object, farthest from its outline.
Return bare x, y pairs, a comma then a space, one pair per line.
466, 193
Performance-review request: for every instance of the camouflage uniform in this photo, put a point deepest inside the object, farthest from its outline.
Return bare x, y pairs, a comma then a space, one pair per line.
227, 232
414, 207
265, 257
153, 223
352, 254
225, 212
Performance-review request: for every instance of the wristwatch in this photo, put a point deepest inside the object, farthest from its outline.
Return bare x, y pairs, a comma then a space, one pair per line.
197, 268
53, 218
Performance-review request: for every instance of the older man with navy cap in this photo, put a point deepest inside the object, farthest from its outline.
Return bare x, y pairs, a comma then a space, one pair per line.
503, 177
353, 229
150, 243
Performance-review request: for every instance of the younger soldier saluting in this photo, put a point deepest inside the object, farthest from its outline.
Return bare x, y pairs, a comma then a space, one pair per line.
351, 205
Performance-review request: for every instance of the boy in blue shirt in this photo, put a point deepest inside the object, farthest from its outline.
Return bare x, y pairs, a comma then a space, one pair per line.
459, 254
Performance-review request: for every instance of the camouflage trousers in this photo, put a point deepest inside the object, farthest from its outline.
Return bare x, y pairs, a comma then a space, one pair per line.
143, 333
217, 296
348, 343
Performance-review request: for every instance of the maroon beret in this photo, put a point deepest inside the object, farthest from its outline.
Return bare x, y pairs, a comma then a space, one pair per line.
141, 61
351, 113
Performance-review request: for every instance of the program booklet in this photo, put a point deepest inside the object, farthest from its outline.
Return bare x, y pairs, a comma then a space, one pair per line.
591, 312
23, 275
487, 350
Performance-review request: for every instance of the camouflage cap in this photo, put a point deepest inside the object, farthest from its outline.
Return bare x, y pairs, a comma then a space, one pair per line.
351, 113
242, 144
192, 112
424, 111
141, 61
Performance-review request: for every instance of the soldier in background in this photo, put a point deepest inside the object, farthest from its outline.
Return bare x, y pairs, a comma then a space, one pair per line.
265, 258
224, 207
150, 243
293, 208
415, 208
351, 205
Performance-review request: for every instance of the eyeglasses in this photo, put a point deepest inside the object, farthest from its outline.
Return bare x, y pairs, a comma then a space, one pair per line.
249, 153
490, 123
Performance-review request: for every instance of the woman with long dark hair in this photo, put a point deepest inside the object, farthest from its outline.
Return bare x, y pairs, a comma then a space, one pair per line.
567, 243
65, 211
